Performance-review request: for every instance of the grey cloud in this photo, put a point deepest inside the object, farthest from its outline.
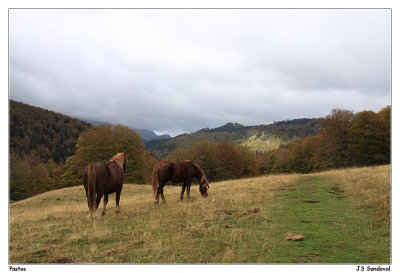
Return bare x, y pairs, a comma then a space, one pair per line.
181, 70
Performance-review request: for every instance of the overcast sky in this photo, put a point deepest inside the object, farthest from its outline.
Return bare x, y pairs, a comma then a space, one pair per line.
175, 71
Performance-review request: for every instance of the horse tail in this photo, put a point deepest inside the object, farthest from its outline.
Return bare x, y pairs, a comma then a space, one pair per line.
155, 179
91, 189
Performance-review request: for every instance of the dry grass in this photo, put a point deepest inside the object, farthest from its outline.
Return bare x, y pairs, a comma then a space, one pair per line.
240, 222
371, 185
55, 227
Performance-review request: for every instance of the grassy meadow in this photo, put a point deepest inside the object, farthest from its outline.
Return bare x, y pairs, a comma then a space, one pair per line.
344, 216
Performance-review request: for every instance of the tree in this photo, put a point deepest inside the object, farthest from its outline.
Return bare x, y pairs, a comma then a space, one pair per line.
251, 166
336, 133
370, 139
178, 154
345, 140
220, 160
203, 153
28, 176
101, 144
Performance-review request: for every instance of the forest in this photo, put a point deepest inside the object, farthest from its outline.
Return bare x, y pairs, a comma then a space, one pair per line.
345, 140
48, 134
30, 175
49, 150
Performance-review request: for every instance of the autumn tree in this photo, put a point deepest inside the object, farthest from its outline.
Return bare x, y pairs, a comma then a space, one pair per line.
345, 140
230, 165
250, 165
28, 176
370, 140
220, 161
204, 153
336, 134
102, 143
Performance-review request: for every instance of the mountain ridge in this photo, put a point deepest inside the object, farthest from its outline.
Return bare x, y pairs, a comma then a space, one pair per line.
148, 135
228, 127
258, 138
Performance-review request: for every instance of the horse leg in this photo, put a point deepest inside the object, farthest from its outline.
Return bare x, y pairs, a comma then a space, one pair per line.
183, 188
117, 197
159, 190
162, 196
105, 201
98, 199
189, 182
87, 197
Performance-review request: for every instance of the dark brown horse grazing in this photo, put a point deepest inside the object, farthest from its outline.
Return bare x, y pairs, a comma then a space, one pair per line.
102, 179
182, 171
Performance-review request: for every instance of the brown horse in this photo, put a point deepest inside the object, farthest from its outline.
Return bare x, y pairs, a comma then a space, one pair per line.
102, 179
182, 171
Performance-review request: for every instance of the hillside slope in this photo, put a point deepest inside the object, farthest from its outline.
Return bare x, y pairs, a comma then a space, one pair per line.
344, 217
51, 135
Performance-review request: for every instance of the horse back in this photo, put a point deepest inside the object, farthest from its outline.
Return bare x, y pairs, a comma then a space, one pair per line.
166, 171
116, 178
189, 168
177, 172
180, 171
102, 175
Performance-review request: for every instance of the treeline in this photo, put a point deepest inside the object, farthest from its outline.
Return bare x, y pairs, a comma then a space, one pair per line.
346, 139
30, 175
45, 134
220, 161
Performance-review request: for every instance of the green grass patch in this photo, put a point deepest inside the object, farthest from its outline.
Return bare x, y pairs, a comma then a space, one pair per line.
334, 231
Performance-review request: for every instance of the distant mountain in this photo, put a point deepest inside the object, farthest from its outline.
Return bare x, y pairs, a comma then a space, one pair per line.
228, 128
259, 138
145, 135
148, 135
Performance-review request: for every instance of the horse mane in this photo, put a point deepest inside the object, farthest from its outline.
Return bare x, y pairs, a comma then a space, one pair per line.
118, 158
201, 170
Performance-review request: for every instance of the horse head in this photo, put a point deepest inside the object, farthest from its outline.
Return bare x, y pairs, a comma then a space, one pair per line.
204, 186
